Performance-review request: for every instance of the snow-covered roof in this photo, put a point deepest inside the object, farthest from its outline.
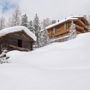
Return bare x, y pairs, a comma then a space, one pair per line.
9, 30
62, 21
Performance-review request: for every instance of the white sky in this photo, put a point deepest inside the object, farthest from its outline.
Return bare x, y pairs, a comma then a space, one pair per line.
54, 9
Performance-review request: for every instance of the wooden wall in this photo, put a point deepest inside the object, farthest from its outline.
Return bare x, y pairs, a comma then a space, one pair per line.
60, 31
12, 40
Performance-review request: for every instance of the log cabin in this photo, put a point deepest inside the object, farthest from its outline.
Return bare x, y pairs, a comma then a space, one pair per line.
17, 38
62, 28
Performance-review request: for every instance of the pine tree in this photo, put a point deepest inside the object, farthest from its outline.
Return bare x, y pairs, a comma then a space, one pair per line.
2, 23
89, 23
44, 38
14, 20
30, 26
46, 22
89, 19
36, 26
24, 20
72, 31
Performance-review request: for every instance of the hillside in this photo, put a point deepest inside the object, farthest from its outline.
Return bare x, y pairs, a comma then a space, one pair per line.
58, 66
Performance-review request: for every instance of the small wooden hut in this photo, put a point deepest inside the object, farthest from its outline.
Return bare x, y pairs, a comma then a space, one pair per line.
17, 38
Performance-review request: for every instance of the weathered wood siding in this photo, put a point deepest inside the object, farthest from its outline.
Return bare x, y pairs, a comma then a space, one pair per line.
12, 39
60, 31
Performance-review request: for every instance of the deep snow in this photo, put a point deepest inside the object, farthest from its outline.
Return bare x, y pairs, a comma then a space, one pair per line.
58, 66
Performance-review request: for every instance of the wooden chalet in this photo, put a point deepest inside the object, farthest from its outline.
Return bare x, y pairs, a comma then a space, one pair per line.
62, 28
16, 38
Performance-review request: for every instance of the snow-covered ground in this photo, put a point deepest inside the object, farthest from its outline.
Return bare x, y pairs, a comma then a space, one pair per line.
58, 66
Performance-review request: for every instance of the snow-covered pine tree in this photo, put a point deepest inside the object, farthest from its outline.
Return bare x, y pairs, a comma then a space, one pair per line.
85, 16
36, 26
30, 26
2, 23
24, 21
89, 19
15, 19
44, 38
72, 31
45, 23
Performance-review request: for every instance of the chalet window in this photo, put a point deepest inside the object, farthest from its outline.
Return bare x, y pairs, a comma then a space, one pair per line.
19, 43
64, 26
54, 30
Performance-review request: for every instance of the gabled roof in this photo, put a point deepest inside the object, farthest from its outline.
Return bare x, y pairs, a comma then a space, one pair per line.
14, 29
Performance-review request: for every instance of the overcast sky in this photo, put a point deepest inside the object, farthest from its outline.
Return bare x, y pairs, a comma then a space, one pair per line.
54, 9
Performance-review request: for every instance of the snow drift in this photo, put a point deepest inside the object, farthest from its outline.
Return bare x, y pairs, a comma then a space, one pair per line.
58, 66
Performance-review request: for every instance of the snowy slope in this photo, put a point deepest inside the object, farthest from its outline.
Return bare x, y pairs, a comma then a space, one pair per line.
58, 66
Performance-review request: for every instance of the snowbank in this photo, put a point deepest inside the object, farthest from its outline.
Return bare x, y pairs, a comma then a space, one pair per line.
58, 66
6, 31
